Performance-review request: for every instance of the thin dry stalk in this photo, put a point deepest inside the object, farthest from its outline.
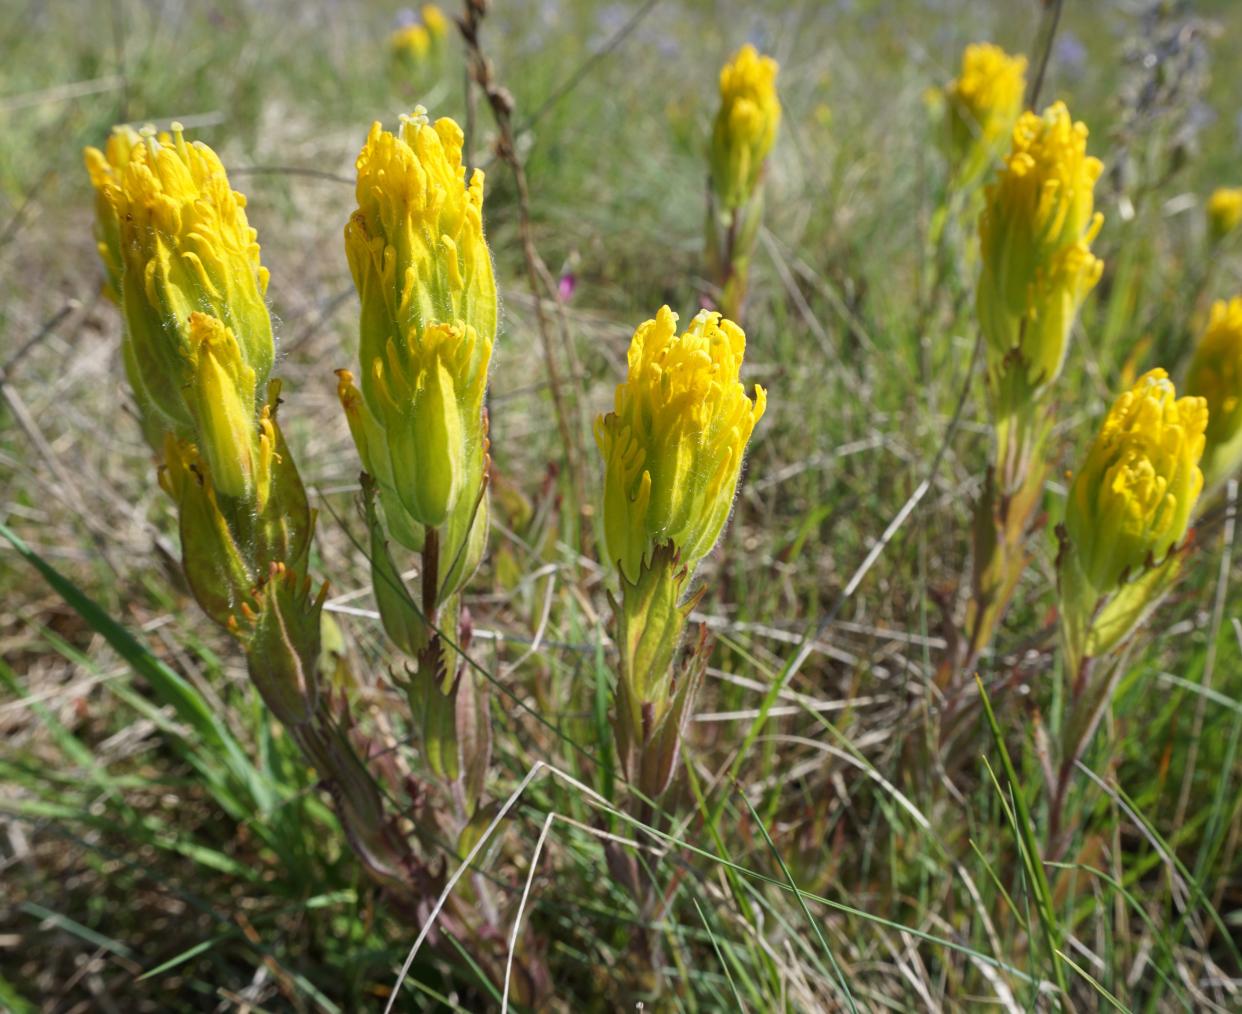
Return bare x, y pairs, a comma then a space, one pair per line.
500, 100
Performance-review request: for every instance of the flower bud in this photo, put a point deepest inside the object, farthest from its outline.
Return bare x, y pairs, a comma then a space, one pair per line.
982, 106
1131, 501
745, 127
221, 400
673, 445
1216, 376
1035, 235
1224, 212
185, 245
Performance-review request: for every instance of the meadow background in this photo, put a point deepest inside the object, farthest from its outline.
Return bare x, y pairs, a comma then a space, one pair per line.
160, 848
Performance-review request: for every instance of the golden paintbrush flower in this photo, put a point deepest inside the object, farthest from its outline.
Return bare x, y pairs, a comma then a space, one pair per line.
424, 274
1216, 376
410, 43
1131, 501
1224, 212
672, 450
436, 22
745, 127
673, 445
185, 246
1035, 235
983, 104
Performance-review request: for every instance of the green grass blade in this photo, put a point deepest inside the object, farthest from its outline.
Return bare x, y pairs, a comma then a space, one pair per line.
811, 920
1028, 847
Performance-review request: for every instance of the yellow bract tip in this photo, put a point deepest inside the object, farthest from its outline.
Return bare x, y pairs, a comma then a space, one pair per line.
221, 398
674, 443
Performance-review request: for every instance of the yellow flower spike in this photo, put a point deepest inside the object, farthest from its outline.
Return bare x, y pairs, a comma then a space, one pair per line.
104, 168
745, 126
1215, 375
673, 446
1224, 212
435, 21
1035, 234
410, 43
983, 104
221, 399
424, 274
185, 246
1131, 502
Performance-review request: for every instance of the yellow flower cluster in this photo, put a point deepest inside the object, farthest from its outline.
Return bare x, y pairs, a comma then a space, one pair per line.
983, 104
1035, 235
673, 445
424, 275
745, 127
412, 43
1224, 212
1131, 502
174, 235
415, 243
1216, 376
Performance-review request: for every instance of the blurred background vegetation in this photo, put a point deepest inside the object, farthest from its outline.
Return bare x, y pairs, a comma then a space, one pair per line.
161, 849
